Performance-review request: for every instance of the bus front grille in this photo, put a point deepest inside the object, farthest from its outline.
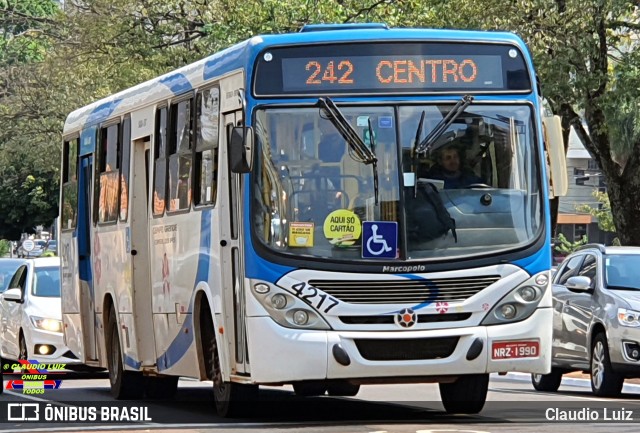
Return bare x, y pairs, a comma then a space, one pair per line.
405, 291
390, 319
406, 349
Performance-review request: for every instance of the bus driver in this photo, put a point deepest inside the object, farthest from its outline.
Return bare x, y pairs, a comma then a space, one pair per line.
449, 169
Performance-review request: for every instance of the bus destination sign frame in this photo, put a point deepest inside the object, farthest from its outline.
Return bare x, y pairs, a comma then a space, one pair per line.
419, 67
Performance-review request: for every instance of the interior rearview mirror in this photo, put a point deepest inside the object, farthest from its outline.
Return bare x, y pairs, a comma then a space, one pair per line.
241, 148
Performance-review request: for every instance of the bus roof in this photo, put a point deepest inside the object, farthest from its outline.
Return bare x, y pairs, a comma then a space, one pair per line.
242, 56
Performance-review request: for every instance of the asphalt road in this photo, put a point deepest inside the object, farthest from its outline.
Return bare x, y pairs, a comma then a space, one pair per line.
512, 406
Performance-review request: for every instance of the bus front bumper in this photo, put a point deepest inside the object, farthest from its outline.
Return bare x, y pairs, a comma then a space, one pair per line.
283, 355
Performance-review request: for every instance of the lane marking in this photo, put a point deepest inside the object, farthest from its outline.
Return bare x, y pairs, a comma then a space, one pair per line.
556, 394
457, 431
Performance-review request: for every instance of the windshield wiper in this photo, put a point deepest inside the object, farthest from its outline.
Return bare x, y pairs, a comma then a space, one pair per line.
374, 164
414, 154
428, 142
365, 155
346, 130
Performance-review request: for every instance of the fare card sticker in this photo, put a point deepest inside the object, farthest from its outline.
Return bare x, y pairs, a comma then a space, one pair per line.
301, 234
342, 228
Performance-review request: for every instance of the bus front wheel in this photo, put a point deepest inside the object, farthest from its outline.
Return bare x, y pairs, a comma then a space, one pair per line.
125, 385
466, 395
231, 399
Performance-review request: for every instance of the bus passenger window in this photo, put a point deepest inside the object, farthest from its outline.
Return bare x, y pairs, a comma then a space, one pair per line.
206, 156
109, 177
180, 157
125, 159
160, 165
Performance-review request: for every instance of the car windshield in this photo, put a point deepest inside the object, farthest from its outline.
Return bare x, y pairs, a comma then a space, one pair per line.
8, 267
47, 282
313, 195
623, 270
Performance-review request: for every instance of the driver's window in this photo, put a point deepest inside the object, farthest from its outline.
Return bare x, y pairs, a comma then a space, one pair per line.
589, 269
19, 278
569, 270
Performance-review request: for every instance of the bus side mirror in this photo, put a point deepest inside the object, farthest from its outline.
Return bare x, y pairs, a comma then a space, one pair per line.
556, 159
241, 148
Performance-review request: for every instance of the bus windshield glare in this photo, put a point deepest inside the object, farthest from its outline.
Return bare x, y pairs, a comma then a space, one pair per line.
312, 196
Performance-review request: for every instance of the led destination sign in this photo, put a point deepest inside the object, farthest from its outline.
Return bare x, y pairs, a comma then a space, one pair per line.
379, 72
368, 68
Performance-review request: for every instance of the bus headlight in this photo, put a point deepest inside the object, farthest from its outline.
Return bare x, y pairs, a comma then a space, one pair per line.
278, 301
518, 304
300, 317
286, 309
528, 293
507, 311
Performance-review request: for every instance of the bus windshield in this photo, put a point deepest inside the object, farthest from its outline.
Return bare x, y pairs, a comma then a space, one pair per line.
312, 193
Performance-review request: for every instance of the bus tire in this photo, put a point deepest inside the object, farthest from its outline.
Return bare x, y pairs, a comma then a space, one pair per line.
231, 399
343, 388
547, 382
466, 395
161, 388
125, 385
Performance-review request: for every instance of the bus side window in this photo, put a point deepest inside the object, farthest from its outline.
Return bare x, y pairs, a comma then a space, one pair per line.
70, 184
206, 155
108, 170
160, 163
180, 156
125, 159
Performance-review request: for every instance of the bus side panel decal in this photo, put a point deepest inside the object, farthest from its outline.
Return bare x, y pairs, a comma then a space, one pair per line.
181, 343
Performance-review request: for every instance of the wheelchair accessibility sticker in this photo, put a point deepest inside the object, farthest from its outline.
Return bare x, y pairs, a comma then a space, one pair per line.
379, 240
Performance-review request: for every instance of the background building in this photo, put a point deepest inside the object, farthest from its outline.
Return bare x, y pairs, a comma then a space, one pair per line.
585, 177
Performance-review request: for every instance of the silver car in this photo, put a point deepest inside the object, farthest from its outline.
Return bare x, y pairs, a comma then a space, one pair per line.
596, 318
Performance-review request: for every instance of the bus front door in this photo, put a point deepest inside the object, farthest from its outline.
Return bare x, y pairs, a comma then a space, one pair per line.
233, 269
86, 292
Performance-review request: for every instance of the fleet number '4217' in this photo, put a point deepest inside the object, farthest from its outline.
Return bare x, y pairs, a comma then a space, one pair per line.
314, 297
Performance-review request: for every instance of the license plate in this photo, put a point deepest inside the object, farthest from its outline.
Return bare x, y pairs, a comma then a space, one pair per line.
515, 349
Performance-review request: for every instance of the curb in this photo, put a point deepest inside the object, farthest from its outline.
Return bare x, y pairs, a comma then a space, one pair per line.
567, 381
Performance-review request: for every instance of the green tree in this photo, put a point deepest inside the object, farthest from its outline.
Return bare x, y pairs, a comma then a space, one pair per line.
5, 247
589, 69
583, 50
602, 213
565, 246
28, 160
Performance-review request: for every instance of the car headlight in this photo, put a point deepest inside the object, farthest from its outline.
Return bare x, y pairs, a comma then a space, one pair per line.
629, 317
51, 325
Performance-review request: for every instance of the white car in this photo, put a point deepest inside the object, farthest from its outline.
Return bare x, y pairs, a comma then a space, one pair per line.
31, 314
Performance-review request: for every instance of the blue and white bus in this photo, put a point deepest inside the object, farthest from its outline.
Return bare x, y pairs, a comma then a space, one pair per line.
286, 211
